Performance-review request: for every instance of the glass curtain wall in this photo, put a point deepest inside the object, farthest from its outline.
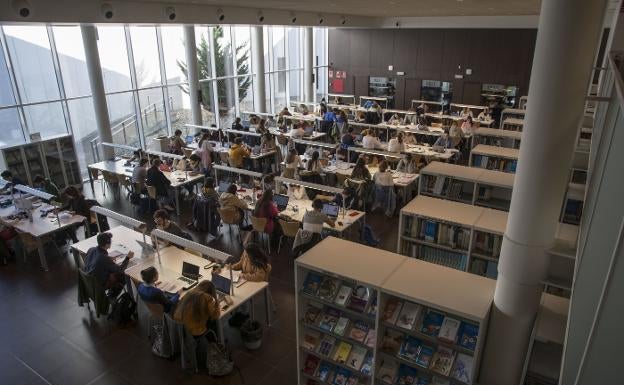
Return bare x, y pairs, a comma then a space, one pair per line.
44, 84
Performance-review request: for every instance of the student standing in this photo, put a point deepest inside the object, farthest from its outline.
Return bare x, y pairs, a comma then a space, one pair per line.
177, 143
205, 152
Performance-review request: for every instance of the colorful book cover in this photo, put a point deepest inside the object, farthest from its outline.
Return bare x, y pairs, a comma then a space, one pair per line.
367, 365
344, 293
341, 326
311, 363
406, 375
341, 377
328, 319
410, 349
311, 338
328, 288
371, 338
442, 360
391, 341
311, 283
468, 335
462, 368
359, 298
342, 352
440, 381
432, 322
388, 371
424, 356
312, 314
408, 316
392, 310
492, 270
326, 346
356, 358
449, 329
323, 371
358, 330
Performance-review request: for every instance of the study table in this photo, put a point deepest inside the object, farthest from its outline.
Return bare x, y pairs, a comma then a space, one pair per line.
315, 134
40, 227
413, 149
170, 269
178, 178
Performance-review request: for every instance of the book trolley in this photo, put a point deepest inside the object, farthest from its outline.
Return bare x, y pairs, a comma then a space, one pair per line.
369, 316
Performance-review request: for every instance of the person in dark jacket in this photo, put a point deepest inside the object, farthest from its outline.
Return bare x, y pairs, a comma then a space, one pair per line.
9, 178
46, 185
76, 203
97, 263
157, 179
150, 293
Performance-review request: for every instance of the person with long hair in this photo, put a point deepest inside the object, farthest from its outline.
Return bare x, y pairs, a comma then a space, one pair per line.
150, 292
76, 203
204, 148
314, 163
266, 208
254, 264
293, 161
198, 308
360, 171
396, 144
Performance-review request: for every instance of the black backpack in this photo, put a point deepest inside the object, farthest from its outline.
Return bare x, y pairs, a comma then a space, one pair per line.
124, 310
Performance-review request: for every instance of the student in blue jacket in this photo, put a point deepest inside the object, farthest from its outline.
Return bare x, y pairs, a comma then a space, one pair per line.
150, 293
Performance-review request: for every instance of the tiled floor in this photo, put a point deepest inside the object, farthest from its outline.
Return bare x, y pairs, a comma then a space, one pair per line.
46, 338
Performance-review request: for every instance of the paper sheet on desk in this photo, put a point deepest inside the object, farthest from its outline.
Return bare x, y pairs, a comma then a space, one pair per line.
170, 286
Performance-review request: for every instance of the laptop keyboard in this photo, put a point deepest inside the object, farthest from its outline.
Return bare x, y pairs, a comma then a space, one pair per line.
187, 280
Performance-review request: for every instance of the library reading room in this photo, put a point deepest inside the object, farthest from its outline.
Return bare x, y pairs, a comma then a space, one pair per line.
298, 192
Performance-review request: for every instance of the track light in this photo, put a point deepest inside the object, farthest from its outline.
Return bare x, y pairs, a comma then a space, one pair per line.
170, 13
21, 7
343, 20
321, 19
293, 18
107, 11
260, 17
220, 15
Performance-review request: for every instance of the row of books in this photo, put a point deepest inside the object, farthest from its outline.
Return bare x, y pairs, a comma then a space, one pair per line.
491, 163
331, 320
439, 257
484, 268
443, 186
436, 232
390, 372
573, 212
496, 141
405, 314
328, 372
358, 298
488, 244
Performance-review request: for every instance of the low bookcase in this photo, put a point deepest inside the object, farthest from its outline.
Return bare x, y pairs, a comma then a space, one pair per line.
494, 158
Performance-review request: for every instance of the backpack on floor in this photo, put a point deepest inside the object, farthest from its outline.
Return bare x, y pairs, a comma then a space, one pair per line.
124, 310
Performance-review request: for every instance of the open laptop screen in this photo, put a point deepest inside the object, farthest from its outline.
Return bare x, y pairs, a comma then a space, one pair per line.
330, 210
190, 271
222, 284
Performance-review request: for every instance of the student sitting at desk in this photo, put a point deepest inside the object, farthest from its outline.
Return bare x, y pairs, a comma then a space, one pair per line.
396, 144
411, 118
360, 171
341, 117
383, 177
254, 264
46, 185
177, 143
236, 125
371, 141
303, 109
238, 153
409, 138
455, 134
230, 201
313, 220
484, 115
76, 203
266, 208
204, 150
284, 112
466, 127
208, 189
292, 164
13, 180
360, 117
106, 271
164, 223
262, 129
394, 120
139, 173
466, 112
199, 309
160, 182
444, 141
267, 142
297, 132
150, 293
408, 164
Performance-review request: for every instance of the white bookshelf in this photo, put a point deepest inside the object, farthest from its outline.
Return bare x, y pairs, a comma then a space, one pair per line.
397, 280
496, 137
562, 261
512, 119
494, 158
471, 185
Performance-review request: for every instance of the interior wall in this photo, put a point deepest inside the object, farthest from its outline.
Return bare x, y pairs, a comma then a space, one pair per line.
501, 56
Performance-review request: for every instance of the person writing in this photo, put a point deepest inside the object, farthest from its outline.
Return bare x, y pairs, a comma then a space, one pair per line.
254, 264
360, 171
444, 141
76, 204
230, 201
484, 115
396, 144
149, 292
238, 153
107, 273
313, 220
199, 309
408, 165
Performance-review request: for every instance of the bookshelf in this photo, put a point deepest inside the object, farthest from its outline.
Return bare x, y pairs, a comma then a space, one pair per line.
54, 158
471, 185
494, 158
512, 119
573, 203
562, 261
488, 237
496, 137
422, 317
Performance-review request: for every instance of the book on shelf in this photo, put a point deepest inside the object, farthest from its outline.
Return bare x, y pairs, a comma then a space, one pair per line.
453, 236
371, 338
408, 316
344, 292
406, 375
439, 185
322, 373
410, 348
326, 346
312, 314
359, 298
392, 310
432, 322
448, 330
341, 377
429, 230
485, 193
388, 371
329, 318
310, 365
462, 368
356, 358
424, 356
391, 341
367, 364
328, 288
311, 339
478, 266
341, 326
468, 335
311, 283
342, 352
358, 330
442, 360
492, 270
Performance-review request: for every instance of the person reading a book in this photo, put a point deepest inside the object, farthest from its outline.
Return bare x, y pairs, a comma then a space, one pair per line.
199, 309
150, 292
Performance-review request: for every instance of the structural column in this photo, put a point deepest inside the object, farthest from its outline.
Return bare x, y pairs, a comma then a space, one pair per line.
308, 64
190, 50
257, 57
98, 94
562, 63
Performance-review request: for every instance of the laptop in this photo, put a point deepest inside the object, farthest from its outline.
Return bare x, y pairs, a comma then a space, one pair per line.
331, 210
256, 150
309, 131
281, 201
222, 285
190, 139
223, 186
147, 248
190, 275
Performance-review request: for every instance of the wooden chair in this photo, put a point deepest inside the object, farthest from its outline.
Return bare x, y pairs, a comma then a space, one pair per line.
154, 313
29, 243
259, 224
230, 217
289, 230
111, 180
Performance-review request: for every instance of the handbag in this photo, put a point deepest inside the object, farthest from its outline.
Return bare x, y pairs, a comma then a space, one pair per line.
218, 359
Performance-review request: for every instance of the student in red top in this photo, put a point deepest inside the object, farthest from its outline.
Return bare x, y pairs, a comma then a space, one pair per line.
265, 208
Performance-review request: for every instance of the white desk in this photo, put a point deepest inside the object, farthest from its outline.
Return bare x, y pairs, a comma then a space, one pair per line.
170, 268
401, 179
315, 134
343, 222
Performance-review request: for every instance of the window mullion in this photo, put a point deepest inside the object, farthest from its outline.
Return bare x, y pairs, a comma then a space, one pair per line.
215, 83
59, 79
163, 81
138, 116
13, 79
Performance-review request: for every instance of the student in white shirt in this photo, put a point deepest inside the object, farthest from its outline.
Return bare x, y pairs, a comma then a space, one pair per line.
293, 161
455, 133
466, 112
297, 132
411, 118
466, 127
409, 138
484, 115
371, 141
396, 144
408, 165
383, 177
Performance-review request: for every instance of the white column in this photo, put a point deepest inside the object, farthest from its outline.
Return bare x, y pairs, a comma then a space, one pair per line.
308, 64
190, 50
562, 63
98, 94
257, 57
